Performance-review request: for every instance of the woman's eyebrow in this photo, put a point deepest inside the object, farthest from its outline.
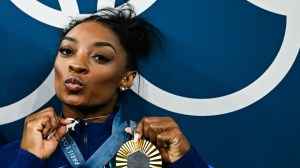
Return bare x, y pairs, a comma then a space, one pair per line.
97, 44
105, 44
68, 38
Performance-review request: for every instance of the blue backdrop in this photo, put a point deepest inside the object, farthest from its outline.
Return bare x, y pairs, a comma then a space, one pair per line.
229, 73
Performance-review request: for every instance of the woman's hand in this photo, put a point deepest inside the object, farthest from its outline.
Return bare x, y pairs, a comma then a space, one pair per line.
165, 134
36, 129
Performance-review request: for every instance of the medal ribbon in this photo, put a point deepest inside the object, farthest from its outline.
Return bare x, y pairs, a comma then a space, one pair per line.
105, 152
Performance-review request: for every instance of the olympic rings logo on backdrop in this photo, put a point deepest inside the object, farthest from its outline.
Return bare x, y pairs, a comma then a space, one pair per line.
153, 94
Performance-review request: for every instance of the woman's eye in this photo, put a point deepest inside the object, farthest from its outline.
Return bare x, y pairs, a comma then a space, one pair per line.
65, 51
102, 59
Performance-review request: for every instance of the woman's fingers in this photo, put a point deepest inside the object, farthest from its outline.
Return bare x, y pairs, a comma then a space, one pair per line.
155, 129
62, 130
64, 121
61, 126
147, 125
165, 134
46, 125
48, 117
38, 127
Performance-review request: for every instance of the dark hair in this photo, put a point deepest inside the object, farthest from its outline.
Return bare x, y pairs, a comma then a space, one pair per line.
135, 34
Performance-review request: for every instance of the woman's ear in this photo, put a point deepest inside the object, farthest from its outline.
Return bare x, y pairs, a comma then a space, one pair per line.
127, 81
130, 77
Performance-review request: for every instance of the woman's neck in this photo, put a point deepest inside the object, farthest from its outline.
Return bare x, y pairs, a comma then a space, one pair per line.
88, 114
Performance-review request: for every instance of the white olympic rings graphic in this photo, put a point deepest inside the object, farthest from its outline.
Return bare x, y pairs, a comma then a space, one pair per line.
171, 102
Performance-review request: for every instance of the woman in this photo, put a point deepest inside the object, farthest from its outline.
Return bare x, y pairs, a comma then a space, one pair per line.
96, 62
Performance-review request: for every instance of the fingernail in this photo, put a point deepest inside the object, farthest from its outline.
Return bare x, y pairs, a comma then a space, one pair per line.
71, 119
136, 137
50, 135
127, 130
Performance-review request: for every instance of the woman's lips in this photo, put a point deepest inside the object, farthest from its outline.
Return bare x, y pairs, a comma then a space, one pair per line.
74, 83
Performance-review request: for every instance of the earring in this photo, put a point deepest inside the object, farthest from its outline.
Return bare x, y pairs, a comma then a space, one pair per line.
122, 88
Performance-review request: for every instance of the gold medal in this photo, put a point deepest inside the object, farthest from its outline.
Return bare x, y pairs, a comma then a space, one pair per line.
141, 154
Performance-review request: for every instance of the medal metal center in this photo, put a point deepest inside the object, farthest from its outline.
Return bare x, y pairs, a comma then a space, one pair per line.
140, 154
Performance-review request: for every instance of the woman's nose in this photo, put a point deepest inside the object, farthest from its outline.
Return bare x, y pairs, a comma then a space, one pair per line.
78, 66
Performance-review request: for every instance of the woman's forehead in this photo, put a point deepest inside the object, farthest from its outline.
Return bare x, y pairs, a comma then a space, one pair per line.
92, 30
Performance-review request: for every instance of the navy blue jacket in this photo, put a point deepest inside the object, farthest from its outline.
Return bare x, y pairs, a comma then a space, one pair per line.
88, 141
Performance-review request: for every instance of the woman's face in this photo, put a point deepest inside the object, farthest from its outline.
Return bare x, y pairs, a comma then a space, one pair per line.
90, 66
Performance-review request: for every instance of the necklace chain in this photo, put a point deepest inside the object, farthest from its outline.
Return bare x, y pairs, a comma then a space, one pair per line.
92, 118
